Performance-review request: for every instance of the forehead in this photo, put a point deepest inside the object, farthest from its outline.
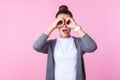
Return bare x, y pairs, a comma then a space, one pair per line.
64, 16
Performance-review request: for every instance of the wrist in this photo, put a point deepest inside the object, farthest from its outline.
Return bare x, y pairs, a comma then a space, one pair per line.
77, 28
52, 28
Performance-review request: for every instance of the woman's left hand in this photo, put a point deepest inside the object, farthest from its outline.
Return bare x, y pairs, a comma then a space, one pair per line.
71, 23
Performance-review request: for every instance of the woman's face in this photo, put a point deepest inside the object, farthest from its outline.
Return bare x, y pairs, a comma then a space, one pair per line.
64, 30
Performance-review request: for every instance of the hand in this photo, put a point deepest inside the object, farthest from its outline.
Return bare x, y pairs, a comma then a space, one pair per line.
71, 23
59, 22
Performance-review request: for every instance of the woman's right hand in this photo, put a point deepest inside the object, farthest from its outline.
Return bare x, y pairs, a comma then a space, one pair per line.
59, 22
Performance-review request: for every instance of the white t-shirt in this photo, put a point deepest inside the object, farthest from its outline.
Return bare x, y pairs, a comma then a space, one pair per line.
65, 56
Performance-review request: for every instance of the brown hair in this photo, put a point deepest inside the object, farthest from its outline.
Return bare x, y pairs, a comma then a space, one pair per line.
63, 9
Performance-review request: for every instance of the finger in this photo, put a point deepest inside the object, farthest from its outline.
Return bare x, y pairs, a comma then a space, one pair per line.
59, 26
61, 21
68, 21
73, 20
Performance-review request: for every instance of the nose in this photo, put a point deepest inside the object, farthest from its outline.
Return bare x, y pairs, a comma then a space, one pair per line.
64, 26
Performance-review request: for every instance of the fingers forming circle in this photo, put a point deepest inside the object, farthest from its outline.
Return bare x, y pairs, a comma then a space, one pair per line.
60, 22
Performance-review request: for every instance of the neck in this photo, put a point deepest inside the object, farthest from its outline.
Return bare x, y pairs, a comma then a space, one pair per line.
65, 36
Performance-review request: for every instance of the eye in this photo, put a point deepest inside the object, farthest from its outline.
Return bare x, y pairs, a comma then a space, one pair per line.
60, 22
68, 22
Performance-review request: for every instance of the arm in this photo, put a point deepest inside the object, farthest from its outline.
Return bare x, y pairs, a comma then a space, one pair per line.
41, 44
86, 42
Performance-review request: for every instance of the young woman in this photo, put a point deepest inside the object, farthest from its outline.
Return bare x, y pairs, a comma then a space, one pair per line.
65, 53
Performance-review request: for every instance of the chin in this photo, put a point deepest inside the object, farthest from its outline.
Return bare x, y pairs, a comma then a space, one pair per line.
65, 35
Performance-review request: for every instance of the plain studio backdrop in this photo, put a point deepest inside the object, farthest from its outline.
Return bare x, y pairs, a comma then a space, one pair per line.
22, 22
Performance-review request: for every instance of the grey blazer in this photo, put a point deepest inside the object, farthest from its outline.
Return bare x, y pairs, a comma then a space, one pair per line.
83, 45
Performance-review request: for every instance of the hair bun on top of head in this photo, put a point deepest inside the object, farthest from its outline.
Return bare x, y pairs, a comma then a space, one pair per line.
63, 7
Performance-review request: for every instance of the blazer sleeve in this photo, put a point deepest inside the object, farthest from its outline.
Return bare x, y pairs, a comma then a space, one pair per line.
41, 44
88, 44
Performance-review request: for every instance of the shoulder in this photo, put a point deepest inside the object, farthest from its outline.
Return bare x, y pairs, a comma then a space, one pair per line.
76, 38
51, 41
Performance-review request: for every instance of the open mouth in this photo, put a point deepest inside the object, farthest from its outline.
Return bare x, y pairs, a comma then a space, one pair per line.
64, 30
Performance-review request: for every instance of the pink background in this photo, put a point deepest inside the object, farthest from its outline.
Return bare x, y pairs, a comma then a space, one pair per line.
22, 21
